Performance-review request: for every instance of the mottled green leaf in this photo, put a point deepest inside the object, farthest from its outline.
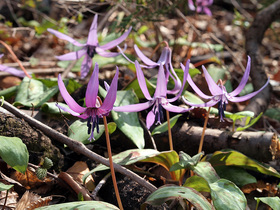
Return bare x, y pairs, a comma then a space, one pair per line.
14, 152
164, 194
198, 183
273, 202
5, 186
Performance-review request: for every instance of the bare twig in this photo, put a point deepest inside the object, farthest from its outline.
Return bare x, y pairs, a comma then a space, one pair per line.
76, 146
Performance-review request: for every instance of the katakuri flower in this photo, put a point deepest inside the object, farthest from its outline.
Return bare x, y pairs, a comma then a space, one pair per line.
12, 70
165, 60
93, 110
158, 101
90, 48
219, 93
201, 6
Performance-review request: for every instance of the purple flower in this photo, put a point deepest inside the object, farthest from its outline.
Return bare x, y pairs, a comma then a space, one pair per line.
158, 101
94, 109
219, 93
90, 48
201, 6
11, 70
165, 60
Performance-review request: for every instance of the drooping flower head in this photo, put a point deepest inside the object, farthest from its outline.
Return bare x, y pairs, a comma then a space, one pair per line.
12, 70
219, 93
159, 101
201, 6
94, 109
90, 48
165, 60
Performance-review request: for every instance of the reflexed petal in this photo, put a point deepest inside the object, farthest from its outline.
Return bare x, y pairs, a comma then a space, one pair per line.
65, 109
145, 59
92, 88
92, 35
1, 55
142, 81
86, 65
207, 11
177, 109
186, 75
133, 107
213, 87
110, 98
72, 55
194, 87
67, 98
13, 71
166, 52
107, 86
161, 87
122, 52
175, 78
106, 54
150, 119
117, 41
191, 5
65, 37
245, 98
207, 104
243, 80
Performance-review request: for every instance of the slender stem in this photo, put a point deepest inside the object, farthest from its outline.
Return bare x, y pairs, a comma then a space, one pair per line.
203, 131
75, 146
15, 58
6, 198
111, 163
169, 131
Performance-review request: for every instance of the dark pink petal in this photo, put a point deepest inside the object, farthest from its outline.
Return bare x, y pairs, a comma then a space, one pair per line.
92, 88
247, 97
142, 81
92, 35
194, 87
133, 107
65, 37
67, 98
117, 41
213, 87
72, 55
161, 87
243, 80
110, 98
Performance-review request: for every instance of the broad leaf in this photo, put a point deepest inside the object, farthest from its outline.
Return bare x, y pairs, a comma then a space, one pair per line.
205, 170
234, 158
237, 175
128, 122
164, 194
167, 159
5, 186
252, 122
79, 131
198, 183
9, 92
32, 92
127, 157
51, 108
80, 205
164, 126
226, 195
273, 202
14, 152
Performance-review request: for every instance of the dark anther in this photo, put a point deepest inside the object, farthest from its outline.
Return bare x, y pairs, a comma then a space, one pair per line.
91, 51
89, 124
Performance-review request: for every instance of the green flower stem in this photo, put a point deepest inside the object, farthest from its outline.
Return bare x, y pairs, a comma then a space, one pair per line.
203, 132
111, 163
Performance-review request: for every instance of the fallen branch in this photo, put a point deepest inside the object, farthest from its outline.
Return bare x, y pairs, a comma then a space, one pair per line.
258, 145
254, 37
76, 146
